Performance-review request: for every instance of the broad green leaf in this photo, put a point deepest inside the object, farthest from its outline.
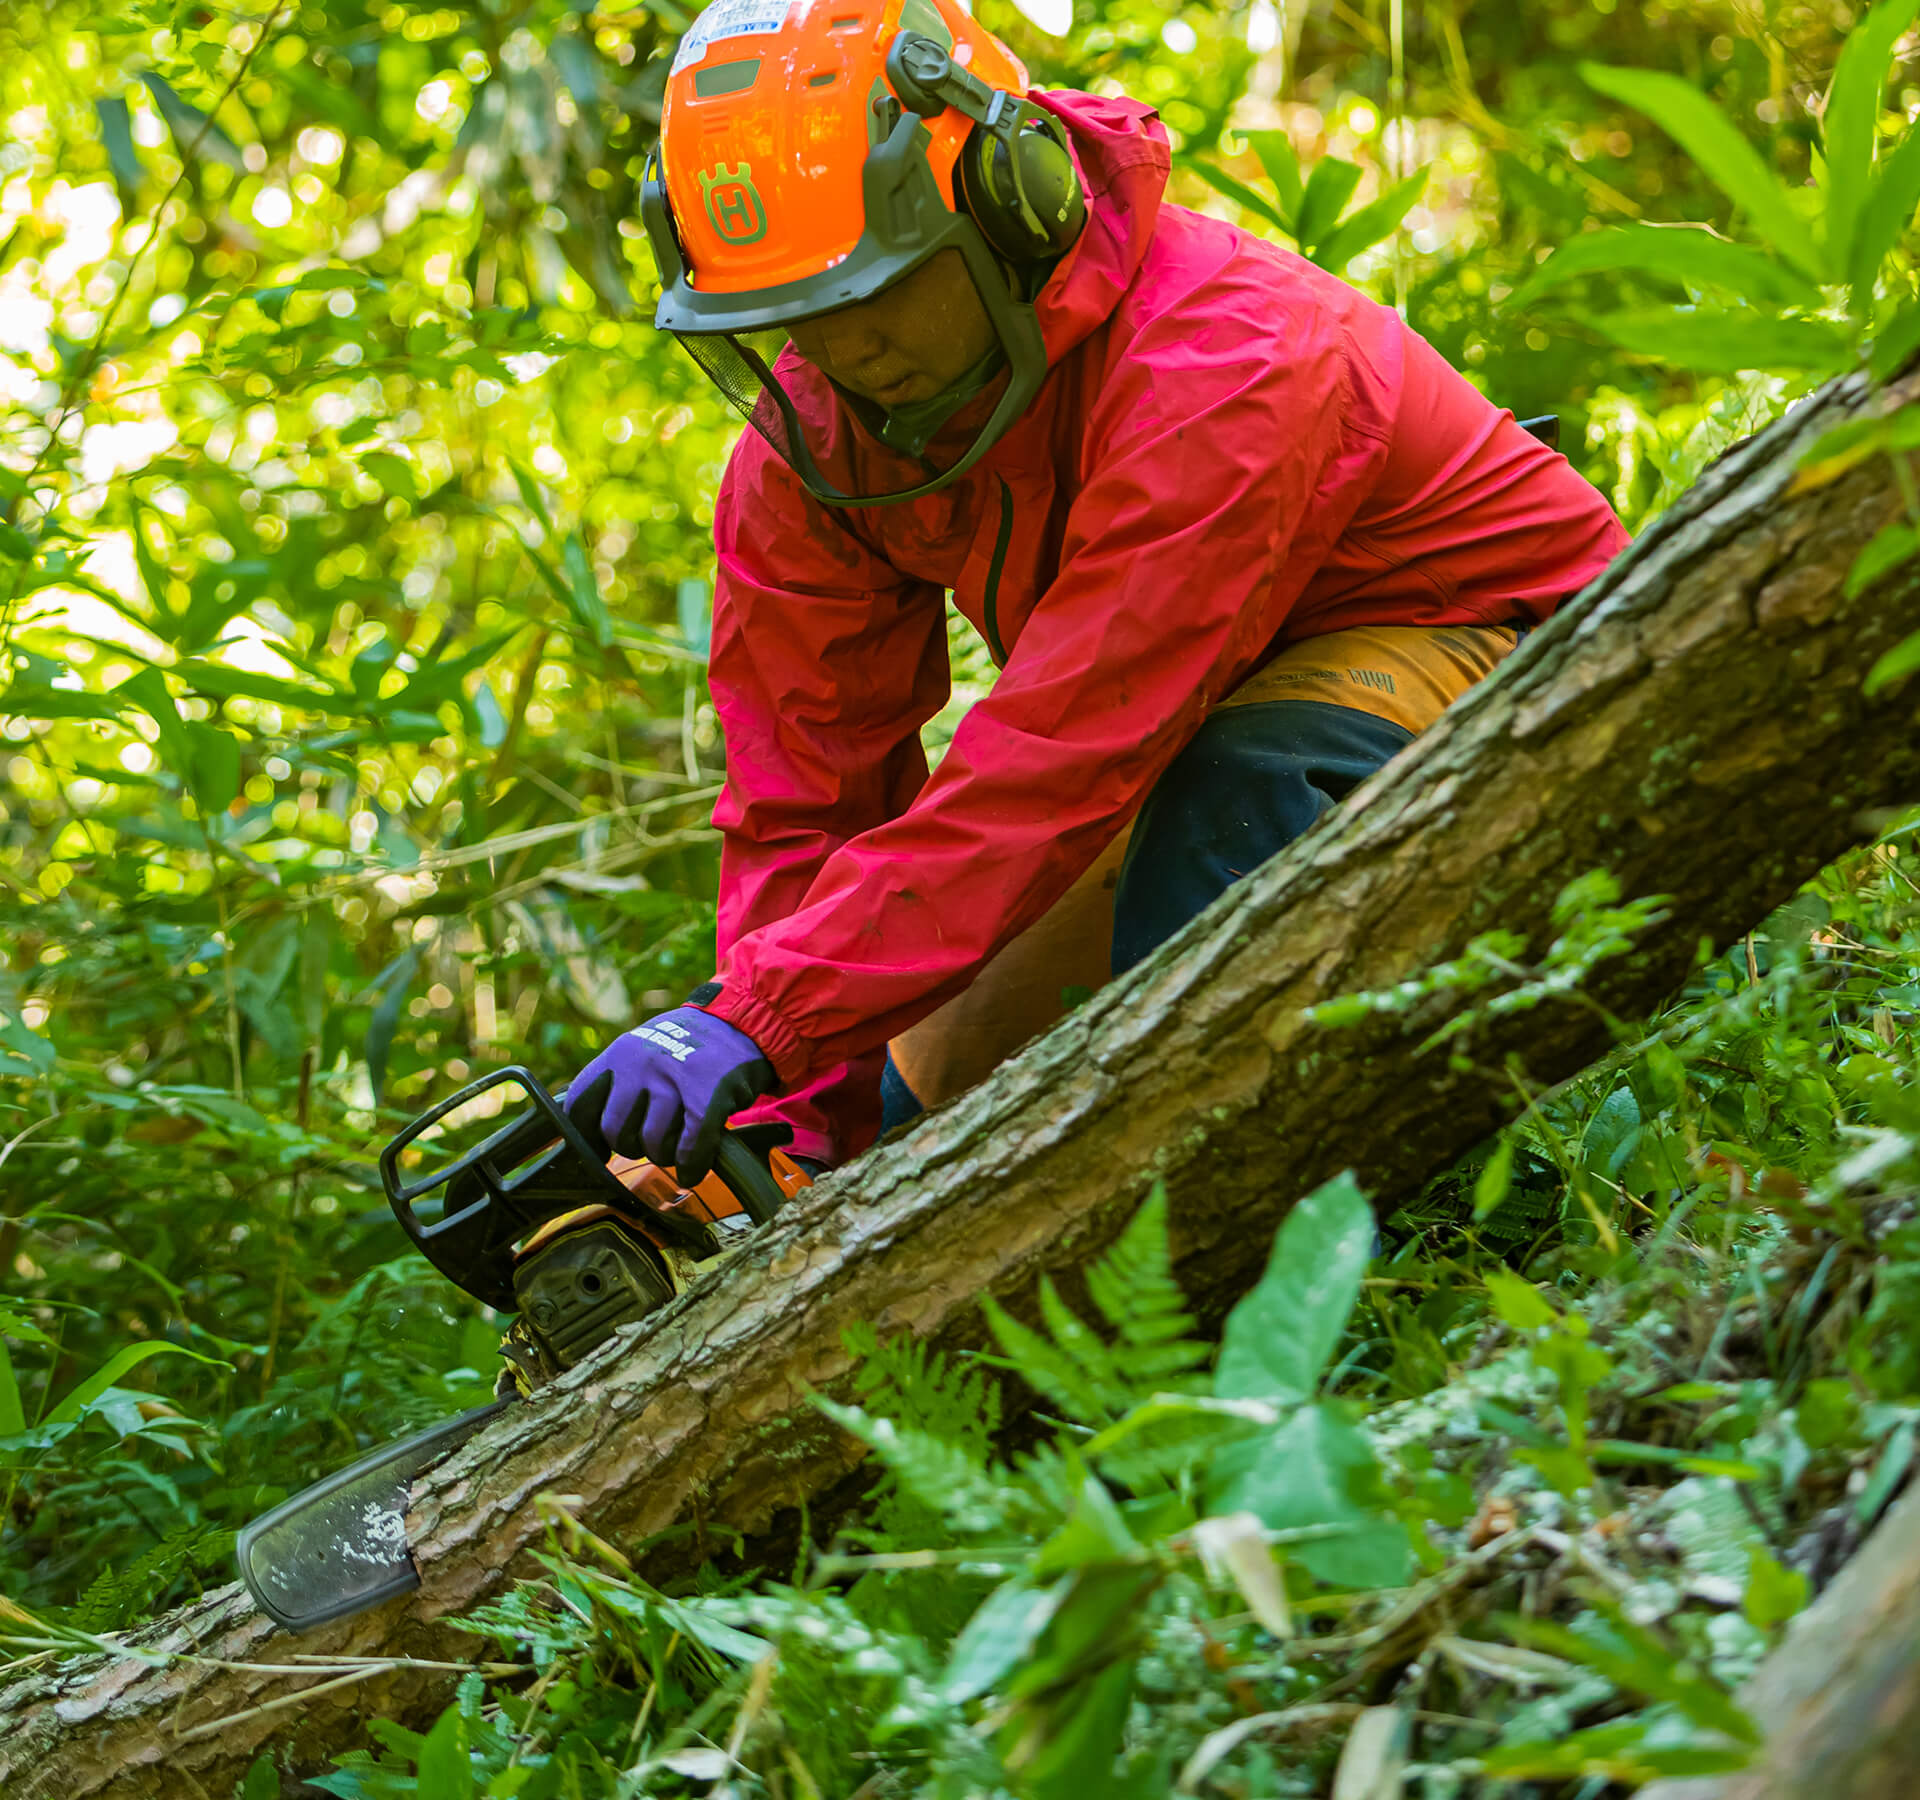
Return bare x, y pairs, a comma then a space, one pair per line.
1852, 115
74, 1403
262, 1780
998, 1636
1377, 220
1238, 192
1883, 218
1679, 252
446, 1764
1687, 116
1888, 548
1893, 665
1276, 154
1329, 188
1725, 343
1280, 1338
1317, 1470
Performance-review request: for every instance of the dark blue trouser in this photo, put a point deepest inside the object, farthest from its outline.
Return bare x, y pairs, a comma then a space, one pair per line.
1253, 779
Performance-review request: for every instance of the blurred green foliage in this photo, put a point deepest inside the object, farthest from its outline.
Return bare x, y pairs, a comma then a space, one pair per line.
354, 588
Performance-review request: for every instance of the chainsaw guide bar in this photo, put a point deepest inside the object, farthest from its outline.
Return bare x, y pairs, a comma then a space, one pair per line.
535, 1223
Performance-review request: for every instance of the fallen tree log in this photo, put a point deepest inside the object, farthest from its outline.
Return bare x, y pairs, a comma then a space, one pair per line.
1694, 723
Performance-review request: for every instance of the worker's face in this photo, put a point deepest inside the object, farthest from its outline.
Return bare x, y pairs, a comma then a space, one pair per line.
907, 343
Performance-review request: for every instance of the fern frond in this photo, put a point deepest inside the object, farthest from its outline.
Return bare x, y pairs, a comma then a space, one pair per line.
904, 1380
1134, 1288
937, 1472
1049, 1370
122, 1593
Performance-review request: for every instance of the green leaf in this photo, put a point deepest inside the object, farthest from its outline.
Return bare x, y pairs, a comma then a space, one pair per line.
116, 138
1888, 548
1851, 117
1631, 1657
1883, 218
1238, 192
446, 1763
215, 766
1725, 157
1490, 1187
1775, 1593
1725, 343
394, 474
530, 494
386, 1017
13, 1418
1276, 154
998, 1636
1680, 252
1316, 1469
75, 1402
583, 591
1617, 1752
224, 683
1518, 1301
1377, 220
1280, 1338
1893, 665
262, 1781
1329, 188
193, 132
1093, 1532
1896, 343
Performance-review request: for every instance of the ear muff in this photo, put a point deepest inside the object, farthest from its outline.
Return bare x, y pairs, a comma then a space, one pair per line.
1015, 175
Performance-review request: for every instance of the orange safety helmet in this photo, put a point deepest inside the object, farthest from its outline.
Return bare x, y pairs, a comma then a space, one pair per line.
813, 152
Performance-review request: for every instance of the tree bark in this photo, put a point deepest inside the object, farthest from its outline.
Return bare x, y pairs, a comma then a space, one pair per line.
1840, 1697
1693, 722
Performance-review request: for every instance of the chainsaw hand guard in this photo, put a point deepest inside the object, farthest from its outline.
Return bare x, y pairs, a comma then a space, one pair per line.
534, 1169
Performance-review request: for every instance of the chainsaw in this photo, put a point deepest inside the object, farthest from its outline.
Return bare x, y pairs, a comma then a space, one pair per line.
533, 1222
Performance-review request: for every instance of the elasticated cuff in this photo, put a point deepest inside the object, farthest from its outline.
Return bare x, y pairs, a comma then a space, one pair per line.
779, 1043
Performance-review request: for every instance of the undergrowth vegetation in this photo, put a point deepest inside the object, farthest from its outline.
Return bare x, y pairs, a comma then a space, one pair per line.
1522, 1491
354, 586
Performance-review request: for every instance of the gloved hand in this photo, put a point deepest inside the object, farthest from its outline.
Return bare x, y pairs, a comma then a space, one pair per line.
666, 1089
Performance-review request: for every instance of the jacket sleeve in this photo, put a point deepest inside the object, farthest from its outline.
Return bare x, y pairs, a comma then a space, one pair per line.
825, 664
1195, 527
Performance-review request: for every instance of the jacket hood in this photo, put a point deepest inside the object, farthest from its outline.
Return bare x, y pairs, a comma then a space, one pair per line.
1121, 150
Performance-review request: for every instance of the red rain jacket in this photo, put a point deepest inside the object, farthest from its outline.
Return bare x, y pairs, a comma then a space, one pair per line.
1233, 450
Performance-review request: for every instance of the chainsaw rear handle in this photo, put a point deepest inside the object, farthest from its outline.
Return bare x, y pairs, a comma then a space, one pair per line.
536, 1167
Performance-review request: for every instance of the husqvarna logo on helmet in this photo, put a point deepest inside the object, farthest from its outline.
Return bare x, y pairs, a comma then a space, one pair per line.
733, 203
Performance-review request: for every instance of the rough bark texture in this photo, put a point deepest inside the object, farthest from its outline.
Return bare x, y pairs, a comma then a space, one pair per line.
1694, 722
1840, 1698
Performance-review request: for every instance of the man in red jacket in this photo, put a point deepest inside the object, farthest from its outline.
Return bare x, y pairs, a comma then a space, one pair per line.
1231, 532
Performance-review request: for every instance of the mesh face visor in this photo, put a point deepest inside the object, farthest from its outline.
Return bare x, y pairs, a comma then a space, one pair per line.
736, 338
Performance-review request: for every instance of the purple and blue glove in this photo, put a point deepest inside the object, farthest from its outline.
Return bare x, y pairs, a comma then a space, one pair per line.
666, 1089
